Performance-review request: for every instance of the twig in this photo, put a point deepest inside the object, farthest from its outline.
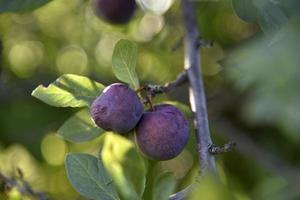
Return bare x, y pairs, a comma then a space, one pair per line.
21, 185
204, 43
215, 150
153, 90
201, 43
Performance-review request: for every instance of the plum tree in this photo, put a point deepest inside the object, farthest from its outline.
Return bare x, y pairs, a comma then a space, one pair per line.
162, 133
118, 108
115, 11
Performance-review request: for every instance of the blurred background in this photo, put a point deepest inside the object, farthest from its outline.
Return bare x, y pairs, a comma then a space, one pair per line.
252, 79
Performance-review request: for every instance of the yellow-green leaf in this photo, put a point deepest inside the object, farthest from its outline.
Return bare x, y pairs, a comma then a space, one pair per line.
124, 62
69, 91
125, 165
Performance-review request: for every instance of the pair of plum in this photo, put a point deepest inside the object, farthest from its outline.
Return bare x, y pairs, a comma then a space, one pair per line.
161, 133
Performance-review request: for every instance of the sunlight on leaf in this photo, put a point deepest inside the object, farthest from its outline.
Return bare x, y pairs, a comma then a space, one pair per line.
210, 188
125, 165
124, 62
69, 91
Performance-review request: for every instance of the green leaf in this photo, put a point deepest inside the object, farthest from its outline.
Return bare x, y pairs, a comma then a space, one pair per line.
69, 91
20, 5
89, 177
245, 9
271, 18
164, 185
125, 165
124, 62
258, 67
210, 188
292, 7
80, 127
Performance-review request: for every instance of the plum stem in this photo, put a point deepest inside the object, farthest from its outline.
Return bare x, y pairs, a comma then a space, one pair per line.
192, 63
153, 90
149, 100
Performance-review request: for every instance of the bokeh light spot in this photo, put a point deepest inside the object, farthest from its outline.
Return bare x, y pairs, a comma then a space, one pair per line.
72, 59
25, 57
104, 49
53, 149
149, 26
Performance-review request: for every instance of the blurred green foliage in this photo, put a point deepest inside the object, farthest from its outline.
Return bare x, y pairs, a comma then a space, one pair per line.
251, 76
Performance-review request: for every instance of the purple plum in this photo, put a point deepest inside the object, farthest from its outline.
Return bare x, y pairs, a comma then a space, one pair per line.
162, 133
115, 11
118, 108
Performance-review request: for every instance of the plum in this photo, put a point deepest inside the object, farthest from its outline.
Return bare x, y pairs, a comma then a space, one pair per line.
118, 108
162, 133
115, 11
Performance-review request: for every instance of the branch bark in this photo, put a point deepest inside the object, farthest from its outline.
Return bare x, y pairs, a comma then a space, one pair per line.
192, 64
159, 89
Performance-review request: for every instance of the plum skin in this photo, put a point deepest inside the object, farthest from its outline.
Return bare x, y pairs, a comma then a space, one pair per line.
163, 133
118, 108
115, 11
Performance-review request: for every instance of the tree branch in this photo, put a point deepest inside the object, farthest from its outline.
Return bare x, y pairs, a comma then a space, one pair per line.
192, 63
153, 90
197, 94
